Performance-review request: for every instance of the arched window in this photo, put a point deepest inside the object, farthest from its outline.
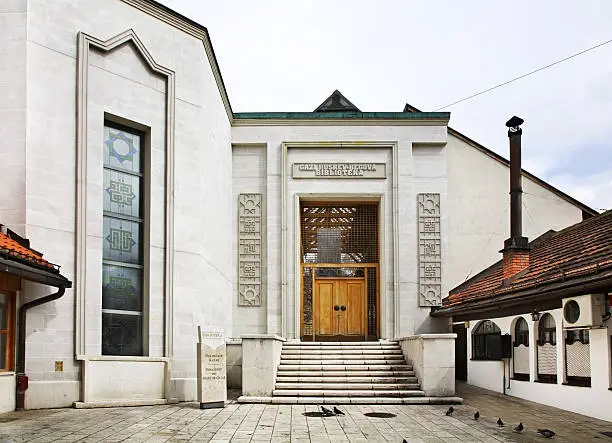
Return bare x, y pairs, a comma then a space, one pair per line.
547, 330
547, 349
520, 358
486, 341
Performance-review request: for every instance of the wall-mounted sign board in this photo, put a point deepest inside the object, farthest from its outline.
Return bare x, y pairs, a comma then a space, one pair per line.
339, 170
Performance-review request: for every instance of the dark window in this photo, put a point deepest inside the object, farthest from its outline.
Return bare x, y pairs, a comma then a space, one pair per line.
486, 341
7, 331
122, 252
521, 333
547, 330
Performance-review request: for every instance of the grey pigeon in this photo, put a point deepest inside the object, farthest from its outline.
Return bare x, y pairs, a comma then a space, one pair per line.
546, 433
326, 412
500, 422
450, 411
518, 428
338, 411
476, 415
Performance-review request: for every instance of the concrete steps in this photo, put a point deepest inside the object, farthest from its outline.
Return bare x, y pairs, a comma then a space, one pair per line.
346, 372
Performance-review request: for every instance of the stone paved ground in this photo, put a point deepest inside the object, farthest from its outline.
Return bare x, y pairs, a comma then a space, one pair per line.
286, 423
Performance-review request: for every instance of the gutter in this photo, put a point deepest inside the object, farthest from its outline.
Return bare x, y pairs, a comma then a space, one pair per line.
524, 301
22, 379
38, 276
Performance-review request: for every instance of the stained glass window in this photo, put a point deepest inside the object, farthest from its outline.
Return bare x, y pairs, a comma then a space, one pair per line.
122, 250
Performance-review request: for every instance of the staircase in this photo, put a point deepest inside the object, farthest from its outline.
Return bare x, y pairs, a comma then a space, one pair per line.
346, 372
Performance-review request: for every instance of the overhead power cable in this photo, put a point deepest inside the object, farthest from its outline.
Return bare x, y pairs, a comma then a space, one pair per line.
584, 51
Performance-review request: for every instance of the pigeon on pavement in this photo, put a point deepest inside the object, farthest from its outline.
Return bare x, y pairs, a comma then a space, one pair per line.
404, 441
338, 411
476, 415
546, 433
450, 411
326, 412
518, 428
500, 422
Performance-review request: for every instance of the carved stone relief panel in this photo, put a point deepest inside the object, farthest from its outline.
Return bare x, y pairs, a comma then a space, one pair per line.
249, 249
430, 254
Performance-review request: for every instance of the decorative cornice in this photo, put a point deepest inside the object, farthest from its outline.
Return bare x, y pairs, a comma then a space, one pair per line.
336, 122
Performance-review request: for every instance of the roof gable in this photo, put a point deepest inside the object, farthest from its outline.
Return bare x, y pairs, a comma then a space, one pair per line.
337, 102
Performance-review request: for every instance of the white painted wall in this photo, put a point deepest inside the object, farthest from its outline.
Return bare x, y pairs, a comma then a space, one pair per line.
13, 113
13, 136
594, 401
478, 200
44, 211
7, 392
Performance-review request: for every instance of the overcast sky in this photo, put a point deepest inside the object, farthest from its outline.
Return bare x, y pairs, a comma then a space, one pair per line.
290, 55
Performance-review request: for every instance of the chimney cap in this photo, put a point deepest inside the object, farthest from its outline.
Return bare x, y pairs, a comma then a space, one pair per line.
514, 122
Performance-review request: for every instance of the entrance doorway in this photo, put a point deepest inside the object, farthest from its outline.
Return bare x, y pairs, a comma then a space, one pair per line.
460, 352
339, 271
339, 309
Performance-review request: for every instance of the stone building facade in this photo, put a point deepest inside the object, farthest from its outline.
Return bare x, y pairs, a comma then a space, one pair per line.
125, 163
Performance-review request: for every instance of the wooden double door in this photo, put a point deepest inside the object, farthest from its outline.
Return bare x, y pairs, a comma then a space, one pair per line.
339, 309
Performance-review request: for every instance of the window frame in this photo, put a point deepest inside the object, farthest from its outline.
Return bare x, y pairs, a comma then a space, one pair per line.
583, 336
142, 220
9, 331
542, 340
486, 337
521, 337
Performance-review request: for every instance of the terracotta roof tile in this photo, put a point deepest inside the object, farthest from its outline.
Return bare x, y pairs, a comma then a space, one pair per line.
13, 250
581, 249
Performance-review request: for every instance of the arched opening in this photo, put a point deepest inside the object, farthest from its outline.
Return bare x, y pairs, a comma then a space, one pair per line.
486, 341
520, 357
547, 349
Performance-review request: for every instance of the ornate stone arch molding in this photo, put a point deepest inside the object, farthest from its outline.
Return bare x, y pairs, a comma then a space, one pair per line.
84, 44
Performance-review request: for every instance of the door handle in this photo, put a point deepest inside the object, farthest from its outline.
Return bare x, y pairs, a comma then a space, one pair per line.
336, 307
343, 307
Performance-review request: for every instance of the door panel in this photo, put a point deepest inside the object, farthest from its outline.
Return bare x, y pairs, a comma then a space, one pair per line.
347, 293
354, 308
324, 307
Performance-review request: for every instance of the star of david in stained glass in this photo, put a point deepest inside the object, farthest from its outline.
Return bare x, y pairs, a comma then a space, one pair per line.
120, 193
121, 146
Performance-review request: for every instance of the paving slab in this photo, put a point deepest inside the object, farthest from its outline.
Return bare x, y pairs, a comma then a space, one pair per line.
287, 423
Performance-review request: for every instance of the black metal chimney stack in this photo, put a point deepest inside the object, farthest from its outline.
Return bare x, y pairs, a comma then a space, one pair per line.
516, 248
516, 190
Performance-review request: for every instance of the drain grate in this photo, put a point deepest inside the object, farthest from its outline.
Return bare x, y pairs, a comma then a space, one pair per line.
380, 414
607, 433
315, 414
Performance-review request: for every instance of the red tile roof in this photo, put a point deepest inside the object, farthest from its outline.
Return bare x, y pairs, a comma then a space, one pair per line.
12, 249
579, 250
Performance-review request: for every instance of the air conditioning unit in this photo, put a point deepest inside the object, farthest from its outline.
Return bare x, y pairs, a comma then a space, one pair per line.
583, 311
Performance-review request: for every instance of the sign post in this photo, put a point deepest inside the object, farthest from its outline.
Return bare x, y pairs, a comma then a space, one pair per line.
211, 368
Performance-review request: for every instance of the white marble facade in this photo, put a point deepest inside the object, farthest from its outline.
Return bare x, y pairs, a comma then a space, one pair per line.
140, 65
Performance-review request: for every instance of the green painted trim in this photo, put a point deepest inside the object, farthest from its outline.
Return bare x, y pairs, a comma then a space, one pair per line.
343, 115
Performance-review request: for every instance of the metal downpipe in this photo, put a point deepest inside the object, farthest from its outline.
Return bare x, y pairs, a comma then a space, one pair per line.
22, 379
